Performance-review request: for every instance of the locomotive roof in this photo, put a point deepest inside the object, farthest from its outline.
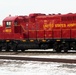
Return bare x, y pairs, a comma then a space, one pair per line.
56, 15
10, 18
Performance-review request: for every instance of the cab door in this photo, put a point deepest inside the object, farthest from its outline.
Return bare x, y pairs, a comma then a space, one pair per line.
7, 30
8, 26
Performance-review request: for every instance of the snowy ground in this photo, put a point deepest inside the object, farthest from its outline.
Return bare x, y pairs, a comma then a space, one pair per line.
18, 67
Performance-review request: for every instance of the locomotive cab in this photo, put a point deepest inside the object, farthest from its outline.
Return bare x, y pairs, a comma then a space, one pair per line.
14, 27
9, 23
11, 28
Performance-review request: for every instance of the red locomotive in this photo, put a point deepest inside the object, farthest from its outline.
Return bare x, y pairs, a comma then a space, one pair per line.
39, 31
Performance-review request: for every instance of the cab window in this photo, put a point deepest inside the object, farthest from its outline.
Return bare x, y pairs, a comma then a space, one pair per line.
15, 23
8, 24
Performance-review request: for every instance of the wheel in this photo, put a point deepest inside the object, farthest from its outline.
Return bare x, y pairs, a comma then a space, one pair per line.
44, 46
73, 46
56, 47
65, 47
22, 50
5, 47
0, 47
14, 48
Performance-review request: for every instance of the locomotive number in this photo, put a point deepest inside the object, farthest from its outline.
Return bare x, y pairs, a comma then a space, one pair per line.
7, 30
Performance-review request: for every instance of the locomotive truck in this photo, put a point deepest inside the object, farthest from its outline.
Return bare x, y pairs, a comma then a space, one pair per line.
39, 31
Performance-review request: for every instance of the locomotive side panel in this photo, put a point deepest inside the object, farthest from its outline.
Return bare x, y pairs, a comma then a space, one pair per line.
32, 34
57, 34
73, 33
66, 33
40, 34
48, 34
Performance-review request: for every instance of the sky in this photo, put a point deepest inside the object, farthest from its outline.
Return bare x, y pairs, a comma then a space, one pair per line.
25, 7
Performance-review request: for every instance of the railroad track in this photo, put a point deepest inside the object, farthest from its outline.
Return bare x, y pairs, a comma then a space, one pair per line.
59, 60
36, 51
28, 56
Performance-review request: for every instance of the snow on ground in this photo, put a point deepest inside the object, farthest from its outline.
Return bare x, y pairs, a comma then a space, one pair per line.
17, 67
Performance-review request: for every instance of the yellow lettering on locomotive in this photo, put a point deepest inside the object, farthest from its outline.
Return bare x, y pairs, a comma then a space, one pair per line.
57, 25
64, 25
60, 25
8, 30
48, 26
71, 25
